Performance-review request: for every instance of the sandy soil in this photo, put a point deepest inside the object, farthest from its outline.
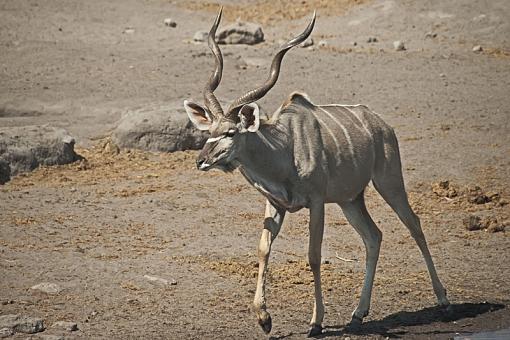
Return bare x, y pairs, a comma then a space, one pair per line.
98, 226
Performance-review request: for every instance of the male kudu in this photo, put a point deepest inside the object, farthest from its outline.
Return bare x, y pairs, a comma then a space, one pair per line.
304, 156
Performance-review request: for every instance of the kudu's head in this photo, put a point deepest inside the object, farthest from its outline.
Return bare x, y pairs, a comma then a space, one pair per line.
241, 117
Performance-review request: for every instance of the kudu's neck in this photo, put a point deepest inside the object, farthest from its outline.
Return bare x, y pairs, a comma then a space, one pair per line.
266, 152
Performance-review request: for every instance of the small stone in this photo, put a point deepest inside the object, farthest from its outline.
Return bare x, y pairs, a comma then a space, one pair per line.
354, 43
399, 45
6, 332
170, 22
129, 30
502, 202
495, 228
430, 35
155, 279
477, 49
473, 222
200, 36
372, 40
322, 43
48, 288
66, 325
21, 324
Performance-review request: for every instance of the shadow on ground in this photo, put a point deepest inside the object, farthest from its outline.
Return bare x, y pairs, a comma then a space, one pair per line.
425, 316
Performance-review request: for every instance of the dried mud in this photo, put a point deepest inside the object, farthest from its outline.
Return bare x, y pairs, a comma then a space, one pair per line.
98, 226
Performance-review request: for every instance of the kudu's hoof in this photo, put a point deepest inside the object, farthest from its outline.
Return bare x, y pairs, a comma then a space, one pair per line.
314, 331
355, 324
266, 323
447, 311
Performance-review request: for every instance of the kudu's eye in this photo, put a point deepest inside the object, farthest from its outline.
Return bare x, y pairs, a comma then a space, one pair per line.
230, 133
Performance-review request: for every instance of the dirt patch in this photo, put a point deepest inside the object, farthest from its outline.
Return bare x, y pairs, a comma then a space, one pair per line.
271, 12
98, 227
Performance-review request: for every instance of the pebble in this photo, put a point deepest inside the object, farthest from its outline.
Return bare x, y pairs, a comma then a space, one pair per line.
20, 324
170, 22
129, 31
200, 36
399, 45
47, 287
372, 40
156, 279
322, 43
6, 332
477, 48
66, 325
430, 35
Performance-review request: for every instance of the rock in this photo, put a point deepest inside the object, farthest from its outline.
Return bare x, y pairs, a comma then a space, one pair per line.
170, 22
200, 36
129, 30
473, 223
477, 49
430, 35
240, 33
155, 279
495, 227
48, 288
307, 43
65, 325
322, 43
399, 45
27, 147
164, 128
477, 196
21, 324
5, 172
371, 40
488, 223
444, 189
6, 332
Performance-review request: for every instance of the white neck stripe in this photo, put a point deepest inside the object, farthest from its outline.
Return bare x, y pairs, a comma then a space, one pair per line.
214, 139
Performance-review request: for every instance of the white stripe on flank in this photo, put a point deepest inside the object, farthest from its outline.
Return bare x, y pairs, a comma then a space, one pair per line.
359, 119
214, 139
328, 130
346, 133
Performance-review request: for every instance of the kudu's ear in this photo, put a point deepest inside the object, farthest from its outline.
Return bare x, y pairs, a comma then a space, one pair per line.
198, 115
250, 117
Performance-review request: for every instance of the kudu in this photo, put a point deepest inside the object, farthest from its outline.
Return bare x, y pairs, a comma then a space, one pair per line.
304, 156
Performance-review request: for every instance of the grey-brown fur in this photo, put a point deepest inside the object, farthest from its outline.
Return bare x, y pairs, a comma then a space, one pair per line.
305, 156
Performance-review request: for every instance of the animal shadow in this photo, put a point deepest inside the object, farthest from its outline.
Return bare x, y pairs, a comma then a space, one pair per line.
421, 317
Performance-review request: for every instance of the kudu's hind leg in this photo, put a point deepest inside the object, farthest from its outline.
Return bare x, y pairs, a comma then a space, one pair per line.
389, 183
357, 215
272, 224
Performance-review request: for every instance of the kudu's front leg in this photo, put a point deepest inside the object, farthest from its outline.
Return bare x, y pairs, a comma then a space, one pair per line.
272, 223
314, 257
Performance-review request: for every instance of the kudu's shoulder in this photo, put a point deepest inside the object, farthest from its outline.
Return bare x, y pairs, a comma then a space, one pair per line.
299, 106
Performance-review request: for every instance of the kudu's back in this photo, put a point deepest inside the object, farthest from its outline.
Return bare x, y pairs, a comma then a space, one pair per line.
338, 147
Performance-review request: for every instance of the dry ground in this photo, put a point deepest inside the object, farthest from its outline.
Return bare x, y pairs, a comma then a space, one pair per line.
98, 226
